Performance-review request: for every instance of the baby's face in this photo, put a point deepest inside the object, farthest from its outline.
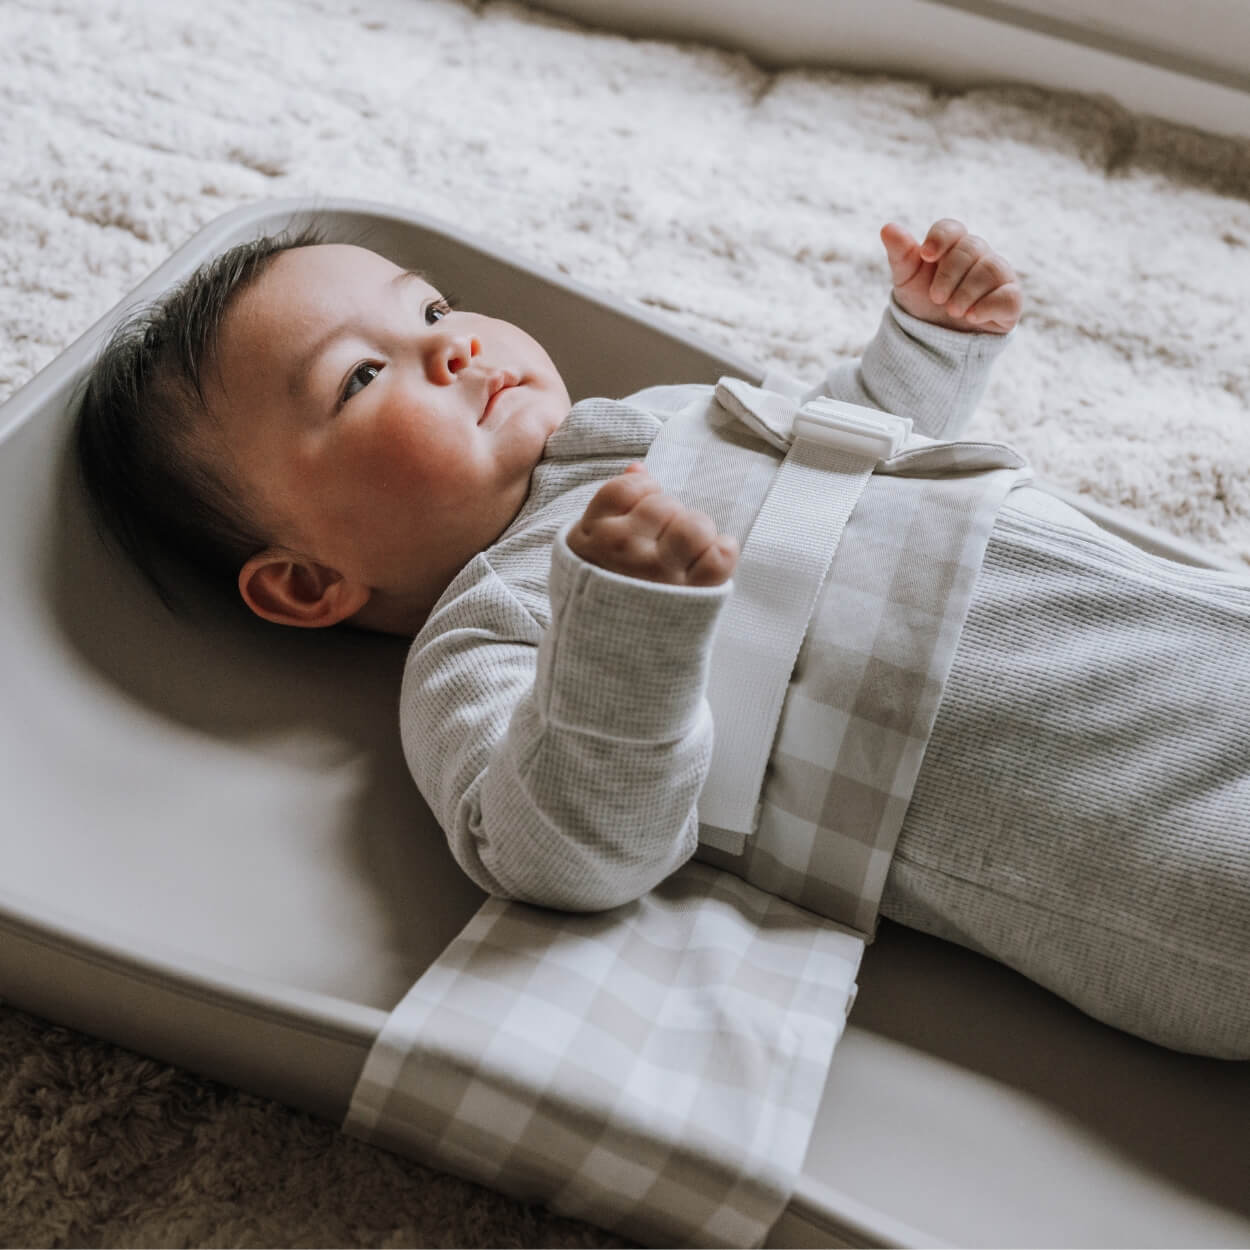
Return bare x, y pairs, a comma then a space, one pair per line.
380, 432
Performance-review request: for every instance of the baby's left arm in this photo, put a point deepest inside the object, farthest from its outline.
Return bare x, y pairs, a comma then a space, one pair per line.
955, 301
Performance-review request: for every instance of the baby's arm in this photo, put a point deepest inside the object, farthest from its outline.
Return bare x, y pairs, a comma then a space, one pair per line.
954, 302
565, 763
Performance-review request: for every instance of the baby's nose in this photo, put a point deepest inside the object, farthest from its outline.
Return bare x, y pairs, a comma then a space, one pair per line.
457, 352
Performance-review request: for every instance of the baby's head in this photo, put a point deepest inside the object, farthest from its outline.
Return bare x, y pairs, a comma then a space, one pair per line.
318, 425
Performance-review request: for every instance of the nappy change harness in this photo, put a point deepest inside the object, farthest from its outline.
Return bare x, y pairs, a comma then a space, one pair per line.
860, 544
657, 1068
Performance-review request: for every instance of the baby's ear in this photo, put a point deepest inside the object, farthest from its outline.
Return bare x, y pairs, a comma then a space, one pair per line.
282, 588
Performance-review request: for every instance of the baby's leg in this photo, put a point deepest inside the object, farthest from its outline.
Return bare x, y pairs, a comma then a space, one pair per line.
1083, 811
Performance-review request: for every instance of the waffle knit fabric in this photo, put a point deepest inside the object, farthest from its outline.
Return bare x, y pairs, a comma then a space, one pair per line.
1080, 813
1083, 812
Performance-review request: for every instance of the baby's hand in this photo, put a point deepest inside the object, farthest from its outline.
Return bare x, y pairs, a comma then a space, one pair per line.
631, 527
953, 278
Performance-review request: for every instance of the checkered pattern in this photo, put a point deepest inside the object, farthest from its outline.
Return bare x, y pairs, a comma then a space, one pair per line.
554, 714
656, 1068
865, 690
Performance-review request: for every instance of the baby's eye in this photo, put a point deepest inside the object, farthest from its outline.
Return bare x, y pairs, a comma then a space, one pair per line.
437, 309
358, 379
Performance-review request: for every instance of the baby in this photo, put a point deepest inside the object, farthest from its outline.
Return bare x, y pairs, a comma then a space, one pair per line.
328, 431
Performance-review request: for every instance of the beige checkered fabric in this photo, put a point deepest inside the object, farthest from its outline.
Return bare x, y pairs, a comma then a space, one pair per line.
865, 690
553, 713
655, 1068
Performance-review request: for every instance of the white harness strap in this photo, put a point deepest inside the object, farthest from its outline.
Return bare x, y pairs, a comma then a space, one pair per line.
833, 449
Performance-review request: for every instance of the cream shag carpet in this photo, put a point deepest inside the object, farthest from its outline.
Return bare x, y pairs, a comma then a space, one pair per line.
744, 205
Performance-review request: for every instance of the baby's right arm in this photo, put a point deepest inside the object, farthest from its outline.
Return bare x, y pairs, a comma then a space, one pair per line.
564, 762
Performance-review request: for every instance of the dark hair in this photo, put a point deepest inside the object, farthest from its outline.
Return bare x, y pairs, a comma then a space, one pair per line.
150, 487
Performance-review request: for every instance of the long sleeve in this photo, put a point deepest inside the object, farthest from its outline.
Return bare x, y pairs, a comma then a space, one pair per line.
564, 763
554, 714
934, 375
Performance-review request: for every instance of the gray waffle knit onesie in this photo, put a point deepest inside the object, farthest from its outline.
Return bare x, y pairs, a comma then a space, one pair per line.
1082, 812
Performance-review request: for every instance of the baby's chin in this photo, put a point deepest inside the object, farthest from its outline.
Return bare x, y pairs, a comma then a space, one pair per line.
542, 417
561, 415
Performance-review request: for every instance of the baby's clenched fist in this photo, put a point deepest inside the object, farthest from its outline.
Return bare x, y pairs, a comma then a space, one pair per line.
631, 527
953, 278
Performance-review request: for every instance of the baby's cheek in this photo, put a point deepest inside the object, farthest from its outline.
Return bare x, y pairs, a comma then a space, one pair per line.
403, 452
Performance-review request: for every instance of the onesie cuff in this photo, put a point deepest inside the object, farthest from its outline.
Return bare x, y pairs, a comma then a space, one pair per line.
623, 657
930, 373
950, 342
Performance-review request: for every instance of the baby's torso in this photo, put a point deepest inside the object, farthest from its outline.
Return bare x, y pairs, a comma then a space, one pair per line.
867, 679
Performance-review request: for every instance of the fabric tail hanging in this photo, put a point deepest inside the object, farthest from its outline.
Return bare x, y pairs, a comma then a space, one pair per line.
655, 1069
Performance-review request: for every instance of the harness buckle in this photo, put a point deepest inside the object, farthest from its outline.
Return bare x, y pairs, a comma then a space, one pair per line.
852, 428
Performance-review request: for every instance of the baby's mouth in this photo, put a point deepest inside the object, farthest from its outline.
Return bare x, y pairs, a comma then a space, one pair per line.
496, 384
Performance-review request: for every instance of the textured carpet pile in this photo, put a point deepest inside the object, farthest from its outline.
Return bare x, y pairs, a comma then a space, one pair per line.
741, 203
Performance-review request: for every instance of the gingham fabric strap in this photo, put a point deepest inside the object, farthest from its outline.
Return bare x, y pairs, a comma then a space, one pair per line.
832, 450
858, 707
655, 1069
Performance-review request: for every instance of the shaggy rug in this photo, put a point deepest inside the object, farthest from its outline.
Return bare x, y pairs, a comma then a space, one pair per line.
742, 204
